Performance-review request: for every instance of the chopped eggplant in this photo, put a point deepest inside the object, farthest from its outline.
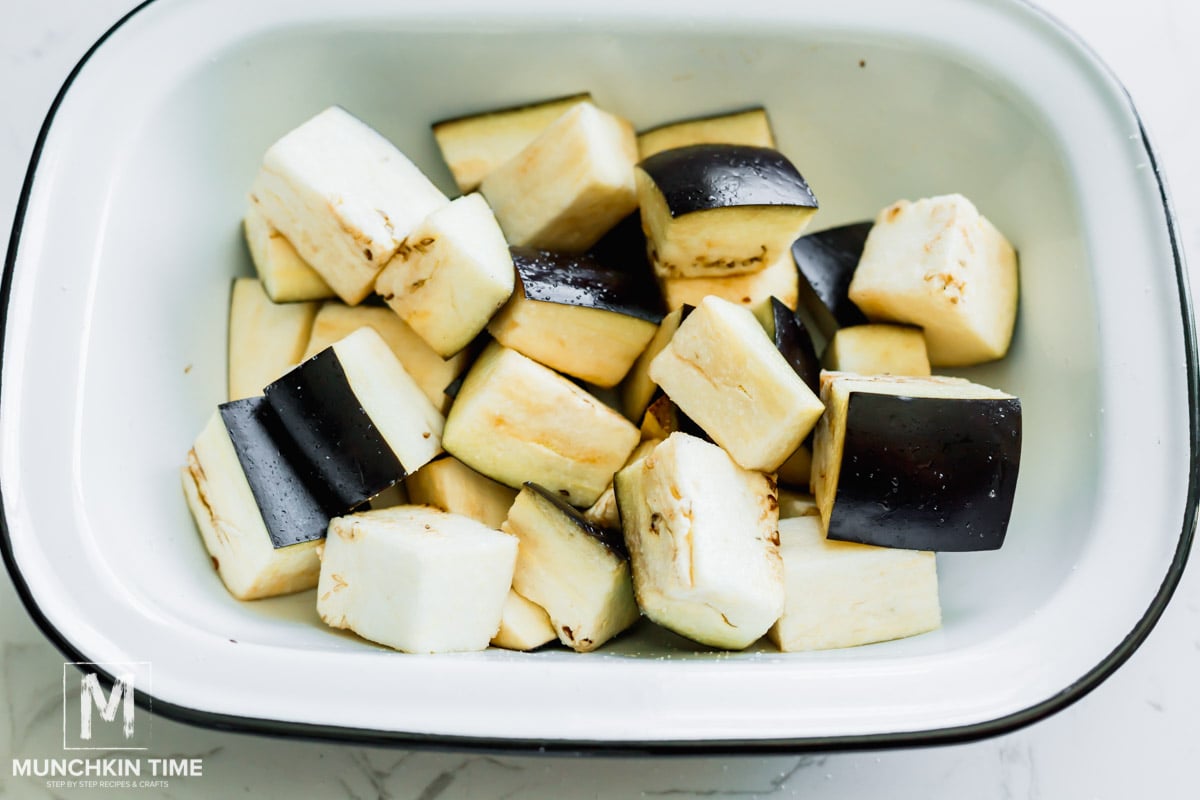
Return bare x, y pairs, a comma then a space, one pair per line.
451, 485
257, 517
344, 197
577, 572
792, 340
285, 276
878, 350
826, 261
715, 210
797, 469
637, 390
725, 374
844, 595
623, 248
524, 625
750, 127
475, 145
568, 186
941, 265
515, 420
357, 420
416, 579
779, 279
703, 541
916, 463
450, 275
576, 316
266, 339
432, 373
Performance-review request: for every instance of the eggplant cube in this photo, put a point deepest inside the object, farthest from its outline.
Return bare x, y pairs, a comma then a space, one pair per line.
777, 279
344, 197
259, 521
286, 277
941, 265
725, 374
714, 210
844, 595
524, 625
451, 485
751, 127
637, 390
569, 185
577, 572
792, 340
916, 463
702, 539
416, 579
450, 275
474, 145
826, 261
878, 350
356, 418
432, 373
266, 339
577, 316
515, 420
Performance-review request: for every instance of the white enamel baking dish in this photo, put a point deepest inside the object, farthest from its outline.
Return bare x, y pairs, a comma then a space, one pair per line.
126, 239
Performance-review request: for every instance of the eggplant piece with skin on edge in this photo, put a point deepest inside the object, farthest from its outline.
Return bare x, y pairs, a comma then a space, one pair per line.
356, 419
578, 572
749, 127
826, 261
714, 210
576, 316
916, 463
476, 144
258, 518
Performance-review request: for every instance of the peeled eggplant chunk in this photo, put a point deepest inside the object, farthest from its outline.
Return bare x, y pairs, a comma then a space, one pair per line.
259, 519
750, 127
826, 261
576, 316
878, 350
356, 418
516, 420
916, 463
939, 264
451, 485
475, 145
266, 339
637, 390
713, 210
576, 571
703, 542
524, 625
569, 185
286, 277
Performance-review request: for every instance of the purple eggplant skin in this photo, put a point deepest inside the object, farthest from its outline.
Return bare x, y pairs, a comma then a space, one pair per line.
332, 433
623, 248
826, 261
582, 280
927, 473
795, 343
613, 540
701, 177
292, 510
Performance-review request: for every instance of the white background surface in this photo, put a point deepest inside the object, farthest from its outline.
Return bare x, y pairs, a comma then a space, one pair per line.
1138, 735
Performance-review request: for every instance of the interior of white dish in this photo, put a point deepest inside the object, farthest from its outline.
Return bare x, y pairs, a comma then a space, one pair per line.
140, 299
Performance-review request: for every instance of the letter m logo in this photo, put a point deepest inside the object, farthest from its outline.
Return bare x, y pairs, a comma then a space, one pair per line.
99, 719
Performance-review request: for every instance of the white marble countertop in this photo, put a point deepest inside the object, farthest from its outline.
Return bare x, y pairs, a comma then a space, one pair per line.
1137, 735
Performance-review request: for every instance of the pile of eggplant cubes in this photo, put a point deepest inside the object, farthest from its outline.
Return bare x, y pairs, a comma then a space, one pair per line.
588, 390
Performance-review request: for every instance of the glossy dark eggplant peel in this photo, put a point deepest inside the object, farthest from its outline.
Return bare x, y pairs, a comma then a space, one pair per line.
826, 261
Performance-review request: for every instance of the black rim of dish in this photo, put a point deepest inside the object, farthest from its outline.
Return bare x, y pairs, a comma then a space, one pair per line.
954, 735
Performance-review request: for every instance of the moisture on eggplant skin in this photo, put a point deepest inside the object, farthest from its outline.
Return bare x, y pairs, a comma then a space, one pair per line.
918, 464
720, 209
826, 261
584, 281
793, 341
292, 510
